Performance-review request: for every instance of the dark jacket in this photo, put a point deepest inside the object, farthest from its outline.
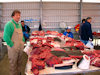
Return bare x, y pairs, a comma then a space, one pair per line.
86, 31
80, 29
26, 28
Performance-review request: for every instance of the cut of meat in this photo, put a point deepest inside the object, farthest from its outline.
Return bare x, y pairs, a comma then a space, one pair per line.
45, 55
94, 56
79, 45
55, 44
66, 58
47, 44
35, 71
58, 49
52, 32
69, 44
78, 57
75, 54
53, 60
68, 39
38, 33
59, 53
96, 62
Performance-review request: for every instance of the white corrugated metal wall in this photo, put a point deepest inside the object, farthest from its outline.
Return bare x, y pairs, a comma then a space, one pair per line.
92, 10
29, 12
56, 12
0, 15
53, 13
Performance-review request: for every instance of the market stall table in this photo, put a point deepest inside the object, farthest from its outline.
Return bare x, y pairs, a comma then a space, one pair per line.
58, 41
96, 38
53, 71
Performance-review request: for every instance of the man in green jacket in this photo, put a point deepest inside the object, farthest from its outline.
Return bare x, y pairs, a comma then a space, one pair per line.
13, 36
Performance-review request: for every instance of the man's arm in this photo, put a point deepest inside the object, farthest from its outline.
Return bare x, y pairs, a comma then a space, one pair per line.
7, 35
71, 35
64, 33
90, 32
28, 29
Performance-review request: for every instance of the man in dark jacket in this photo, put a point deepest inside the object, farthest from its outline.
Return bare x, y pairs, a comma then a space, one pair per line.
86, 31
83, 21
26, 30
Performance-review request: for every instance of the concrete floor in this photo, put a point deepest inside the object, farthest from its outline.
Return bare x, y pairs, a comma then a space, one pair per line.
4, 65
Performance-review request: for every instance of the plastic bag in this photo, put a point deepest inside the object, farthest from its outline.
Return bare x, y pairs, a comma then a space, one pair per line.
90, 44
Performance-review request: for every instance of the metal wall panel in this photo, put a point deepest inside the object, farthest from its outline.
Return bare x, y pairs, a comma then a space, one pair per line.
0, 15
92, 10
29, 11
55, 12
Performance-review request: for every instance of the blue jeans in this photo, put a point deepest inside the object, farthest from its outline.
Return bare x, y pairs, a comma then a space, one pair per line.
84, 41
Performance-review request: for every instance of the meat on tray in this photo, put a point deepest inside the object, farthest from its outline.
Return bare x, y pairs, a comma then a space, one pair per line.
43, 52
96, 62
58, 49
52, 32
38, 33
94, 57
75, 54
42, 55
59, 53
53, 60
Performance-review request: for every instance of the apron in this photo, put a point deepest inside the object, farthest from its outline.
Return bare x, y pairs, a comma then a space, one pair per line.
15, 52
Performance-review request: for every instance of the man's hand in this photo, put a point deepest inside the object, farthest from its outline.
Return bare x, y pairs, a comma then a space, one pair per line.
90, 39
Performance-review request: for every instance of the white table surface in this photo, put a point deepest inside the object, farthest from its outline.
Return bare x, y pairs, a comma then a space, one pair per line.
53, 71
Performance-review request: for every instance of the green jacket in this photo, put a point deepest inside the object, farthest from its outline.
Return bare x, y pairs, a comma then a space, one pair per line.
8, 32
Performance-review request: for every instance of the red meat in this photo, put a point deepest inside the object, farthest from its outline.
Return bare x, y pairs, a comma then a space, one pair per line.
69, 43
89, 53
94, 57
47, 44
52, 32
37, 65
53, 60
49, 39
96, 62
45, 55
60, 34
58, 49
41, 33
38, 33
35, 71
78, 57
66, 58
